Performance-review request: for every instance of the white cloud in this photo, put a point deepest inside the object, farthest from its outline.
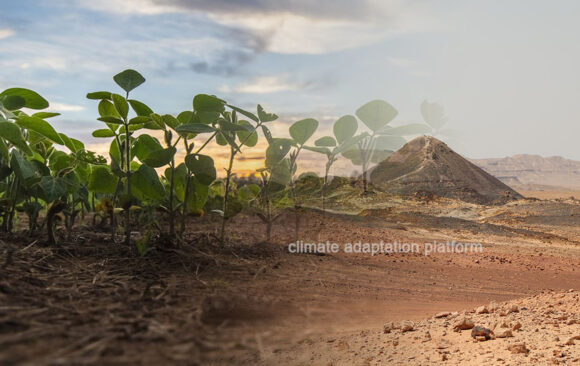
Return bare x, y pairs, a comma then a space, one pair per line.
6, 32
62, 107
262, 85
412, 66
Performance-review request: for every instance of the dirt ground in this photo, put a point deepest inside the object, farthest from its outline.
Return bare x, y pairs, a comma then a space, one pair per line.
92, 301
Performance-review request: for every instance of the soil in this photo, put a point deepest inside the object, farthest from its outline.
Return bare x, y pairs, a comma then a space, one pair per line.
93, 301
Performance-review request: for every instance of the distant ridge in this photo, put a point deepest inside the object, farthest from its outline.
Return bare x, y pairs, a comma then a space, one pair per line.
426, 164
534, 170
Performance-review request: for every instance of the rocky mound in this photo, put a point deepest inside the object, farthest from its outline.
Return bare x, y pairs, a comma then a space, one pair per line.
541, 329
427, 165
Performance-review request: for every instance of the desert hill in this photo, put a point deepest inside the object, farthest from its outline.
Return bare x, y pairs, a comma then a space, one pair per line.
427, 165
533, 170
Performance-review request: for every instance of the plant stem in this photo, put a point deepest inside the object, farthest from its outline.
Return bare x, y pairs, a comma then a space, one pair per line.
227, 190
128, 170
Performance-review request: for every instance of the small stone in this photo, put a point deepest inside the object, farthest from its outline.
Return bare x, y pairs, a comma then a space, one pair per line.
517, 348
388, 327
407, 326
513, 309
464, 324
443, 314
482, 310
480, 339
505, 334
480, 331
493, 306
517, 326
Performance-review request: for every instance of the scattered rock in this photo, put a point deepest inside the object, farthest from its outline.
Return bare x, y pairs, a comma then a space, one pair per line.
505, 334
517, 326
464, 324
443, 314
480, 331
388, 327
482, 310
407, 326
480, 338
513, 309
493, 307
517, 348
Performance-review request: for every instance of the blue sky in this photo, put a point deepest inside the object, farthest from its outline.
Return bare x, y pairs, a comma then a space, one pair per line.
506, 72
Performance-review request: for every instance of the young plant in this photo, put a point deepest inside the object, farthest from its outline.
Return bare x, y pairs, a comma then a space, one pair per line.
114, 111
344, 130
300, 132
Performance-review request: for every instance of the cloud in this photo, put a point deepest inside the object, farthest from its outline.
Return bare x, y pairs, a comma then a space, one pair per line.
412, 66
275, 84
6, 32
62, 107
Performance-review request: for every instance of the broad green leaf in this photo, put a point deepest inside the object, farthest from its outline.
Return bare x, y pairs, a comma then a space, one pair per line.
250, 115
45, 115
40, 126
99, 95
111, 119
410, 129
354, 155
198, 194
52, 188
141, 109
202, 166
344, 128
389, 142
208, 103
13, 134
376, 114
159, 158
186, 117
277, 151
12, 102
433, 114
267, 134
232, 127
32, 99
194, 128
129, 79
144, 145
106, 109
104, 132
23, 169
121, 105
145, 184
325, 141
73, 145
170, 121
265, 116
139, 120
245, 137
248, 192
280, 173
318, 149
302, 130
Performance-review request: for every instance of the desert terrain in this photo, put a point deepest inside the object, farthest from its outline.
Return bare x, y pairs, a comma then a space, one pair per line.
252, 302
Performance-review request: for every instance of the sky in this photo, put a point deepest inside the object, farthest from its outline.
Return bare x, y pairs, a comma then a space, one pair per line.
506, 72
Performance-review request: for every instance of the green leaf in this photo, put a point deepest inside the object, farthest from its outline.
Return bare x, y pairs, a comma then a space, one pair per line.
276, 151
186, 117
106, 109
302, 130
198, 194
389, 142
144, 145
73, 145
111, 119
433, 114
195, 128
208, 103
280, 173
145, 184
410, 129
121, 105
40, 126
202, 166
232, 127
159, 158
32, 99
248, 192
344, 128
139, 120
248, 138
267, 134
245, 113
325, 141
376, 114
104, 132
52, 188
13, 134
265, 116
129, 80
170, 121
12, 102
318, 149
23, 169
141, 109
99, 95
44, 115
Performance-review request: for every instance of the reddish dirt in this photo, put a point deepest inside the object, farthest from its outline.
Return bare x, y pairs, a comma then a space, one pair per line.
94, 302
